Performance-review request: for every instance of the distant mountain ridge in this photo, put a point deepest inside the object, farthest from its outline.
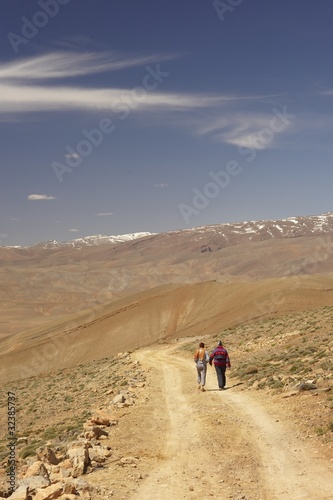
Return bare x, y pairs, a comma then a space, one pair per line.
216, 235
98, 239
51, 280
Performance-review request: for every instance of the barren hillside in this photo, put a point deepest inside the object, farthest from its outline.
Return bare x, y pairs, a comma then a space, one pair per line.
40, 284
67, 313
273, 424
163, 313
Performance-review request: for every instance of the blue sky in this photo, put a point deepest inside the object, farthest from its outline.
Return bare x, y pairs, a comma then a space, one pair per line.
120, 117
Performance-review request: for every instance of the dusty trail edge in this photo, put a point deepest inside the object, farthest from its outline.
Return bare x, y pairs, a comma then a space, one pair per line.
222, 444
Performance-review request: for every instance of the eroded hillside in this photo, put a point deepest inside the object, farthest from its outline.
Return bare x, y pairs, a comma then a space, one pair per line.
279, 403
38, 285
159, 314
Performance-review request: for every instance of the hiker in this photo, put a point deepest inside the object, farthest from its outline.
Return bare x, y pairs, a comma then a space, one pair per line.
221, 360
201, 358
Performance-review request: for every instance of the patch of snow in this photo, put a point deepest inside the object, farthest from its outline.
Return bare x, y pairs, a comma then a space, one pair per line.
95, 240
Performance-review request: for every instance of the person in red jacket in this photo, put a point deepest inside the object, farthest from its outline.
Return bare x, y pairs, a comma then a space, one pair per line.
221, 360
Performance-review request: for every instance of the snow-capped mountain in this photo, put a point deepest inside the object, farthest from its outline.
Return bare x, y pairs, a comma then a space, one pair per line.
218, 236
210, 237
52, 279
292, 227
94, 240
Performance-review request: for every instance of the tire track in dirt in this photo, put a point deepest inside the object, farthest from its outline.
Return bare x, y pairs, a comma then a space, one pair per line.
228, 444
287, 468
185, 451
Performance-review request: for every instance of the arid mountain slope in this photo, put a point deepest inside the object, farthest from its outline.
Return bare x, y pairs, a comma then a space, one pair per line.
276, 445
221, 235
159, 314
38, 285
266, 291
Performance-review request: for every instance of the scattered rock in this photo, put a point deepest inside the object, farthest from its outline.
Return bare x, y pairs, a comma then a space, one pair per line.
140, 384
289, 394
65, 468
306, 386
37, 469
128, 461
94, 433
81, 486
20, 494
79, 456
47, 455
100, 420
35, 482
120, 398
51, 492
99, 453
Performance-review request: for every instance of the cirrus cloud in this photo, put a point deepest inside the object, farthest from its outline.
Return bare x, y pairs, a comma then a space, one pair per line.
42, 84
25, 85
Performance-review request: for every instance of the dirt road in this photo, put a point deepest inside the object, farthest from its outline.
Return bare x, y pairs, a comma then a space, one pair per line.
221, 444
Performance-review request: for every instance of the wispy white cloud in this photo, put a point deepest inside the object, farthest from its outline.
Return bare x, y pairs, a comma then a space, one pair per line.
29, 86
161, 185
104, 214
72, 64
20, 92
24, 98
40, 197
74, 230
246, 129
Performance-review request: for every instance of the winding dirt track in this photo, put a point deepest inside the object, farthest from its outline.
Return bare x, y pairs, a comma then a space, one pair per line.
223, 444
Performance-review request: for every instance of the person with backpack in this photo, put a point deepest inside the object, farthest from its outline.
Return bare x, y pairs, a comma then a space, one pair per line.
221, 360
201, 358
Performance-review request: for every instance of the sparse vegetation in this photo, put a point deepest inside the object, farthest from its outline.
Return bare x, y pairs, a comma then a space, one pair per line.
54, 410
30, 450
283, 356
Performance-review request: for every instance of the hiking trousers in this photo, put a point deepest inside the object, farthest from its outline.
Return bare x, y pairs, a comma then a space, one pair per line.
201, 371
221, 379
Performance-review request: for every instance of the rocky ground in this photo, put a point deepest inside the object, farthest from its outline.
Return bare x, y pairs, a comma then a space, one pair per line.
135, 426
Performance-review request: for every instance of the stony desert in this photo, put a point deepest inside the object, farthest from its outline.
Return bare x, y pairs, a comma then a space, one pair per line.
97, 345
